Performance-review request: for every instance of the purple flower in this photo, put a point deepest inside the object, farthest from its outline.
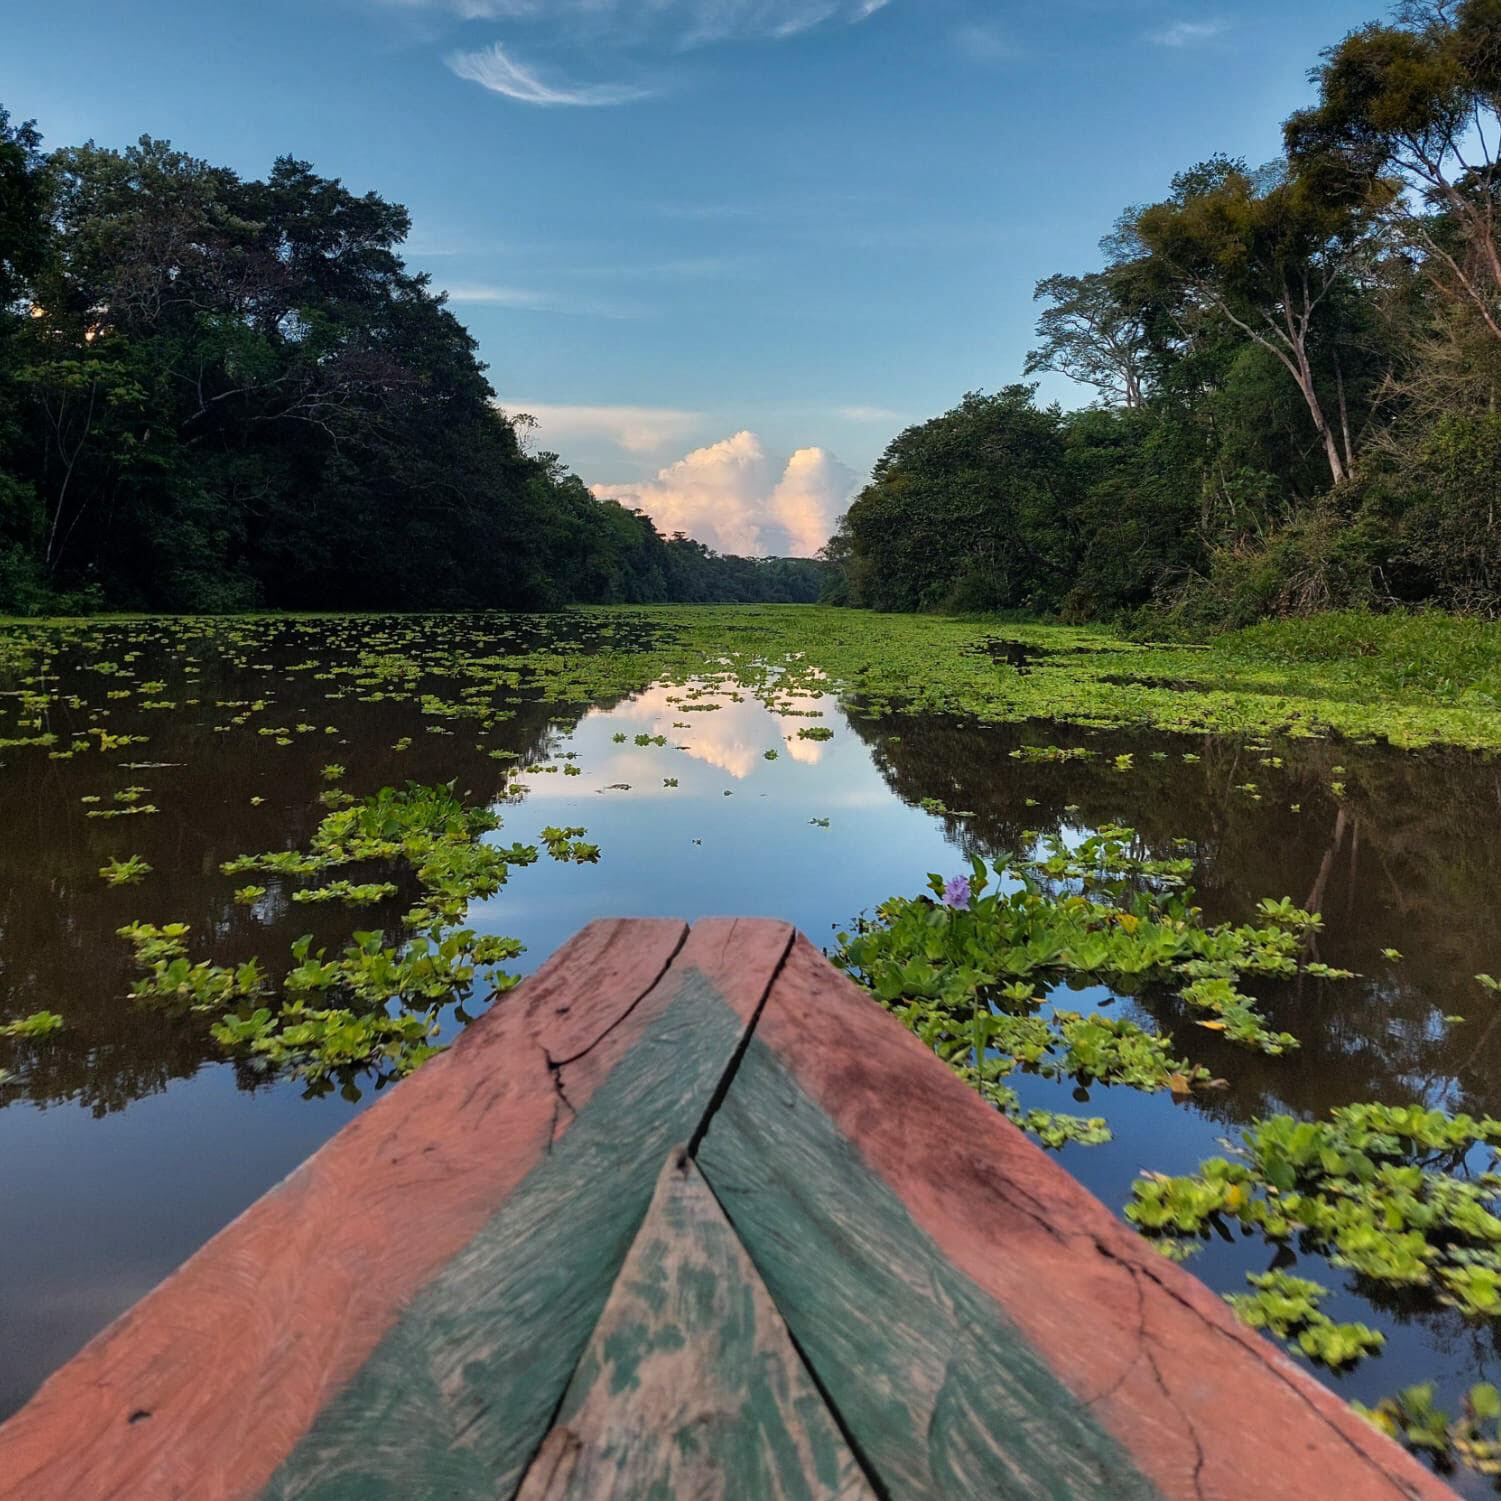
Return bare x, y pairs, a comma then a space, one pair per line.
956, 893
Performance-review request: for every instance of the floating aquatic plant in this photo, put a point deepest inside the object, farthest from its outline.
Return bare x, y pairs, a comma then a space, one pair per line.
962, 969
373, 1004
125, 872
1394, 1193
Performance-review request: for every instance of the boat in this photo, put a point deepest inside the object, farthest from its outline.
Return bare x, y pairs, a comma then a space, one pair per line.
687, 1215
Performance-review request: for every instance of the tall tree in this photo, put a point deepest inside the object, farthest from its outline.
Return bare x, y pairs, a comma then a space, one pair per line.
1091, 334
1410, 114
1265, 253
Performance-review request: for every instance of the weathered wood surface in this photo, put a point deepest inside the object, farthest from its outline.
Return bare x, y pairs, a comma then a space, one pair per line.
460, 1393
432, 1307
690, 1386
888, 1209
205, 1386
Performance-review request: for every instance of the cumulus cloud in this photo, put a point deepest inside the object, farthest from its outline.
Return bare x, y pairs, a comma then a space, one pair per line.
737, 498
493, 69
1188, 33
638, 430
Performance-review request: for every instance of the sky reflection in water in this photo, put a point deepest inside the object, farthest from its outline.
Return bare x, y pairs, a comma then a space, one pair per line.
101, 1202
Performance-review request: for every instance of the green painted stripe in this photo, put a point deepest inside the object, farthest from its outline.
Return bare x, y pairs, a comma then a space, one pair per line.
691, 1385
939, 1392
457, 1397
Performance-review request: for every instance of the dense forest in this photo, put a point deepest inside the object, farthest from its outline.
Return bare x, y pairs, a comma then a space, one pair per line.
219, 394
1297, 366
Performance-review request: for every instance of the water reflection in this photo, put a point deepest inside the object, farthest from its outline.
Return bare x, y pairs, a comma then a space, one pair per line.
125, 1140
1406, 858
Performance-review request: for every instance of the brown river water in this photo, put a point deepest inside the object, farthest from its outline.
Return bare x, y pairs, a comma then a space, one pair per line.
126, 1139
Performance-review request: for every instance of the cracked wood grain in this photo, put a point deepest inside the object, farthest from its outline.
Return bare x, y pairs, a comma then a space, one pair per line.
976, 1232
459, 1395
938, 1392
202, 1388
400, 1319
690, 1386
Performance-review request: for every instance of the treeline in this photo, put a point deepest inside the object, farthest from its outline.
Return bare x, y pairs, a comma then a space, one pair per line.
220, 394
1298, 369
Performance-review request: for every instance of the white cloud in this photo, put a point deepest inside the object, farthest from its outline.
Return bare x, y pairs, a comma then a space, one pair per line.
492, 69
688, 22
1188, 33
812, 491
530, 300
637, 430
869, 414
737, 498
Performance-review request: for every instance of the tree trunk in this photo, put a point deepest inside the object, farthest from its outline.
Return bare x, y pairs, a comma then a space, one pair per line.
1344, 411
1304, 374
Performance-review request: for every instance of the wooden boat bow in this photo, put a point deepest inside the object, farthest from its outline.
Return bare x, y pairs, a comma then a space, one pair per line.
686, 1215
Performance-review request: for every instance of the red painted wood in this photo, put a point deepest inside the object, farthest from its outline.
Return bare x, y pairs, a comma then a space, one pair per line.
1208, 1409
205, 1385
225, 1366
735, 957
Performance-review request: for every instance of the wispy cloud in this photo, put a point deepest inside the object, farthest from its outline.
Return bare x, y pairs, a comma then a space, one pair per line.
688, 23
492, 69
869, 414
532, 300
634, 430
726, 20
1188, 33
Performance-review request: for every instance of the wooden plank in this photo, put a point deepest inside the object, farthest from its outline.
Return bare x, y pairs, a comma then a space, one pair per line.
202, 1388
981, 1323
690, 1386
460, 1393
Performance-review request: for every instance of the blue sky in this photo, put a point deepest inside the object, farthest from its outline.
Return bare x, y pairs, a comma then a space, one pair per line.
671, 222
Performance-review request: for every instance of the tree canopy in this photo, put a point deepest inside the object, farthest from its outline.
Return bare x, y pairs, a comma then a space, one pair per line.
1296, 373
222, 393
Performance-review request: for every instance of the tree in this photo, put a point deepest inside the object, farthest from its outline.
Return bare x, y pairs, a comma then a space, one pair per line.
1265, 253
1409, 116
23, 206
1091, 335
965, 511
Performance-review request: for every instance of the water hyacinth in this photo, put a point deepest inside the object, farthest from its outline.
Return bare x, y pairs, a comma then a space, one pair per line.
956, 893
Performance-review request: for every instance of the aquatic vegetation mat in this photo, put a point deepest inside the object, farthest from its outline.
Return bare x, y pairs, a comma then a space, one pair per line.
376, 771
375, 1004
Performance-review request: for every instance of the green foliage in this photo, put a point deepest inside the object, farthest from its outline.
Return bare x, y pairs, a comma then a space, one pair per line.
969, 969
951, 515
1298, 368
38, 1024
1473, 1438
374, 1005
1389, 1191
564, 845
161, 454
1288, 1307
125, 872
